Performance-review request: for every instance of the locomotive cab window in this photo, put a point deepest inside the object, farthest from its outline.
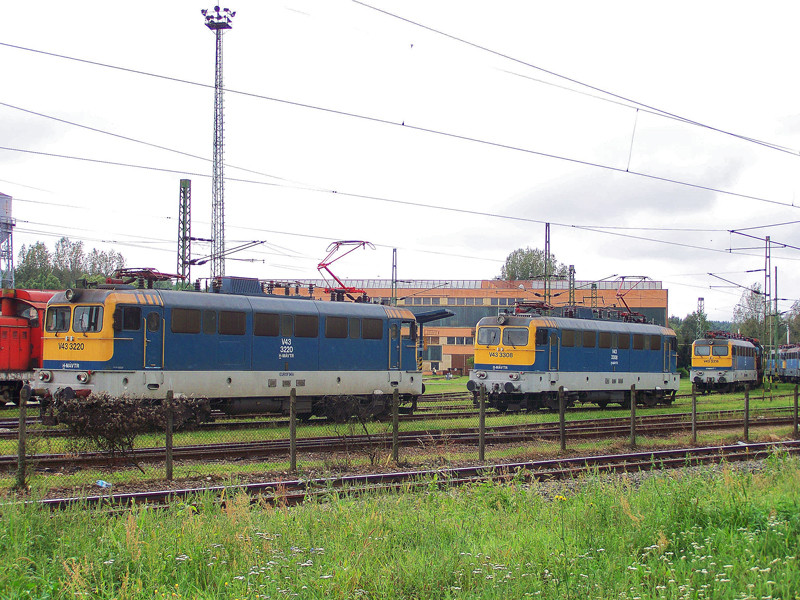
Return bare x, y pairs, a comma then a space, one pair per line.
515, 336
719, 350
131, 318
58, 318
702, 350
488, 336
542, 336
87, 318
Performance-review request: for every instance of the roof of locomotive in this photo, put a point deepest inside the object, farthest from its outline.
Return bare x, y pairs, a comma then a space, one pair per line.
208, 300
570, 323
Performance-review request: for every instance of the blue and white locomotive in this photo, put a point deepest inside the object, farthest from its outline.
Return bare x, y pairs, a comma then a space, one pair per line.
523, 360
243, 351
788, 364
725, 362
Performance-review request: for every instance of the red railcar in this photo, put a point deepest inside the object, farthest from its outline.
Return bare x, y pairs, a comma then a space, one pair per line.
21, 322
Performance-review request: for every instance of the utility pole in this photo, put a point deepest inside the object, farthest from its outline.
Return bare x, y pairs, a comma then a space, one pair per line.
185, 230
768, 304
701, 307
218, 22
394, 277
7, 224
572, 285
547, 263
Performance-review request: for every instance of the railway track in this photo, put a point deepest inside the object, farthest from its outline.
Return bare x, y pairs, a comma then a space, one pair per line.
655, 425
294, 492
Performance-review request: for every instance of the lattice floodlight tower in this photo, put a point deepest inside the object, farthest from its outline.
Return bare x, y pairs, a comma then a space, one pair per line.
218, 20
6, 243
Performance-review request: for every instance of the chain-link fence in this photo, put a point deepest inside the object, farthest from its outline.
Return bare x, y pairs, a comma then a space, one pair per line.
444, 429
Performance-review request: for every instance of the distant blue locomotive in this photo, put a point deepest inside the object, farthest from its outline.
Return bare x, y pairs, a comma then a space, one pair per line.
788, 364
523, 359
244, 352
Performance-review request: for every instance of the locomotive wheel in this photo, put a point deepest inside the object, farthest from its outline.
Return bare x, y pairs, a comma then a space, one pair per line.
602, 403
551, 402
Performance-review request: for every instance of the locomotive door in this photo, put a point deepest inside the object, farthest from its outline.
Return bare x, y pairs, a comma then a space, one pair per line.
395, 346
153, 337
552, 352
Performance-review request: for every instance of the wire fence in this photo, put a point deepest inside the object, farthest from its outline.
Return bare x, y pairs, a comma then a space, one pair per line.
444, 430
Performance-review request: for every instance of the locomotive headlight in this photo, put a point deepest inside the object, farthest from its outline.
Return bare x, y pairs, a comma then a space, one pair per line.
83, 377
480, 374
45, 376
513, 376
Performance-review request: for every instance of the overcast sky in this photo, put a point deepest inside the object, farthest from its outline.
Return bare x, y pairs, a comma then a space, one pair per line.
450, 130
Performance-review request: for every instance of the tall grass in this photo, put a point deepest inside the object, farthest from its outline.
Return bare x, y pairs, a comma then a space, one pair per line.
680, 535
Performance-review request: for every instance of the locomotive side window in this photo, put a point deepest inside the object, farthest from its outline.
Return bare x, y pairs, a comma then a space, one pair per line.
568, 338
702, 350
287, 326
266, 324
624, 341
638, 341
153, 321
355, 328
209, 322
604, 339
131, 318
184, 320
655, 342
88, 318
58, 318
488, 336
407, 332
719, 350
515, 336
542, 336
232, 322
588, 339
372, 329
306, 326
335, 327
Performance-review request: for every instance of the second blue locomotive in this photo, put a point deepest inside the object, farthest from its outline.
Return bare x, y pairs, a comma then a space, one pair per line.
523, 359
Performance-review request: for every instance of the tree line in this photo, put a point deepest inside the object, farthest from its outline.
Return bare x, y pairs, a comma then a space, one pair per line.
39, 268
